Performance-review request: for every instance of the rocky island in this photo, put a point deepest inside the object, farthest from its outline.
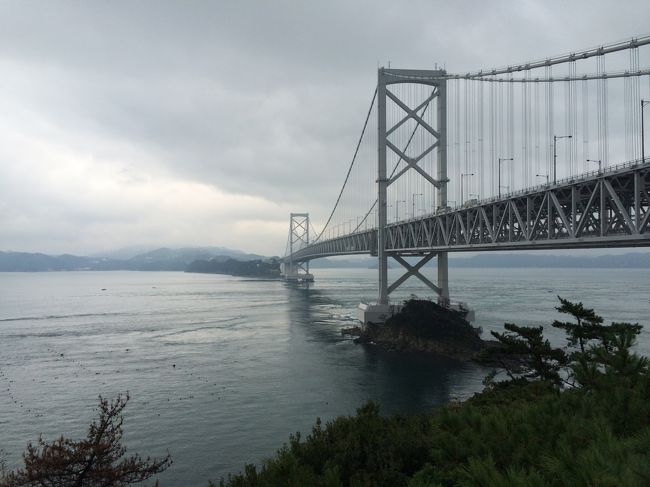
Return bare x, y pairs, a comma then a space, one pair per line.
424, 326
267, 269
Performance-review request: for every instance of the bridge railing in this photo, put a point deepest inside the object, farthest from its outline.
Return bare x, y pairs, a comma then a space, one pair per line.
532, 189
590, 175
568, 180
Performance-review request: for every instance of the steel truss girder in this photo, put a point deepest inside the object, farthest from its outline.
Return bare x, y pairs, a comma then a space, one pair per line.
607, 210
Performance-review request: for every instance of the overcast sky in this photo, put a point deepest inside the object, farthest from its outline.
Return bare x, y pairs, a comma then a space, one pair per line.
207, 123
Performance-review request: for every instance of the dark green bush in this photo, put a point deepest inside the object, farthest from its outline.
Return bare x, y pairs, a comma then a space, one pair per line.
573, 417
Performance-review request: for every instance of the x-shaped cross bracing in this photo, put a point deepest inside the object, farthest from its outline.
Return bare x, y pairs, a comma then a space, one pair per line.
413, 270
412, 162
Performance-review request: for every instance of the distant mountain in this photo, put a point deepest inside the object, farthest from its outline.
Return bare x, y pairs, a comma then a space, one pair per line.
163, 259
134, 252
166, 259
178, 259
124, 253
628, 261
30, 262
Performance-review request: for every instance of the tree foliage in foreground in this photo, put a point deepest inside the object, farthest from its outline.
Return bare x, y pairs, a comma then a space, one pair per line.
99, 460
572, 417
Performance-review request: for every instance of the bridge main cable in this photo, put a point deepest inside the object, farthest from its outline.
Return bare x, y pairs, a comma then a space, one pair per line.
566, 58
354, 158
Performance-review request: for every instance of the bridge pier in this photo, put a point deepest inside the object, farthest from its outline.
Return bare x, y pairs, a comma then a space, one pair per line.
443, 279
378, 313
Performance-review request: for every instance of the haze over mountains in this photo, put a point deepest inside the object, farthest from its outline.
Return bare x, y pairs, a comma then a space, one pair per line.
178, 259
162, 259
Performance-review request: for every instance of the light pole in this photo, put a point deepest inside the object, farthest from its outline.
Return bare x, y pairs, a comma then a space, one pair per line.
461, 185
643, 104
543, 176
555, 139
501, 159
413, 202
397, 202
600, 164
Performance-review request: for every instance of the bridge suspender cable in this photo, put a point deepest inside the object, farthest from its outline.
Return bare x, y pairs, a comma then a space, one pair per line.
408, 143
583, 108
347, 176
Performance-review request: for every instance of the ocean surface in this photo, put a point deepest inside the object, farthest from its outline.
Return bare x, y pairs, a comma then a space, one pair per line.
222, 369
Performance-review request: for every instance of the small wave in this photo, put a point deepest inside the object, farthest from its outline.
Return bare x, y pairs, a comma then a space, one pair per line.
229, 323
61, 317
44, 334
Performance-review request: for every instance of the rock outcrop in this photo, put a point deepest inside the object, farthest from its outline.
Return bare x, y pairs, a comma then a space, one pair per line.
424, 326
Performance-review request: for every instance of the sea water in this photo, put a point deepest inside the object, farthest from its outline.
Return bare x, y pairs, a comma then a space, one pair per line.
221, 369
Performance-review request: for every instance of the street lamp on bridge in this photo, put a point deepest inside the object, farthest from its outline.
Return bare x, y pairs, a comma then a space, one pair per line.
600, 164
643, 104
397, 202
543, 176
501, 159
461, 185
555, 139
413, 202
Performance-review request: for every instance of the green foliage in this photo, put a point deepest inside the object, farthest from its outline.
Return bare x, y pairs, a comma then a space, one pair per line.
529, 431
3, 467
531, 356
587, 326
99, 460
366, 449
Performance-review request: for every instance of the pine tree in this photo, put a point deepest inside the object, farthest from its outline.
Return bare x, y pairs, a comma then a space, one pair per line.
587, 327
98, 460
527, 356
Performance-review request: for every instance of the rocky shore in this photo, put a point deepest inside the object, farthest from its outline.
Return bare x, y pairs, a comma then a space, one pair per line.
424, 326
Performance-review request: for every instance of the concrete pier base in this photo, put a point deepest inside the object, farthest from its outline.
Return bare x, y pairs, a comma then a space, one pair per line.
299, 277
376, 313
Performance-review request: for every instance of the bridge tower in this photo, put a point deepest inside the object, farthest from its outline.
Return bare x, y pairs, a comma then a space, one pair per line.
436, 140
298, 237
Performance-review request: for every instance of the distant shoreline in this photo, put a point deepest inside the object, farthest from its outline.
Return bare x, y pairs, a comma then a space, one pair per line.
181, 259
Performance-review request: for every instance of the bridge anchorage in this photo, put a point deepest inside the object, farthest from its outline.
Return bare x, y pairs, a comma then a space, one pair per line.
418, 119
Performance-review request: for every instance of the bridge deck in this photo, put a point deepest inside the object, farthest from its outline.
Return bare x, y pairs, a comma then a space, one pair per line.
608, 209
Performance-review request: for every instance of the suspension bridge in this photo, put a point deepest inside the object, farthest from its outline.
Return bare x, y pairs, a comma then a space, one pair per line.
546, 154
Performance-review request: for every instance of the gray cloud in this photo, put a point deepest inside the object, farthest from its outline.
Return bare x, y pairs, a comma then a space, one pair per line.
254, 106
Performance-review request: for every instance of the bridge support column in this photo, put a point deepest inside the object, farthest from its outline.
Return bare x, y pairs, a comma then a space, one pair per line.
292, 270
382, 189
443, 279
433, 139
443, 262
